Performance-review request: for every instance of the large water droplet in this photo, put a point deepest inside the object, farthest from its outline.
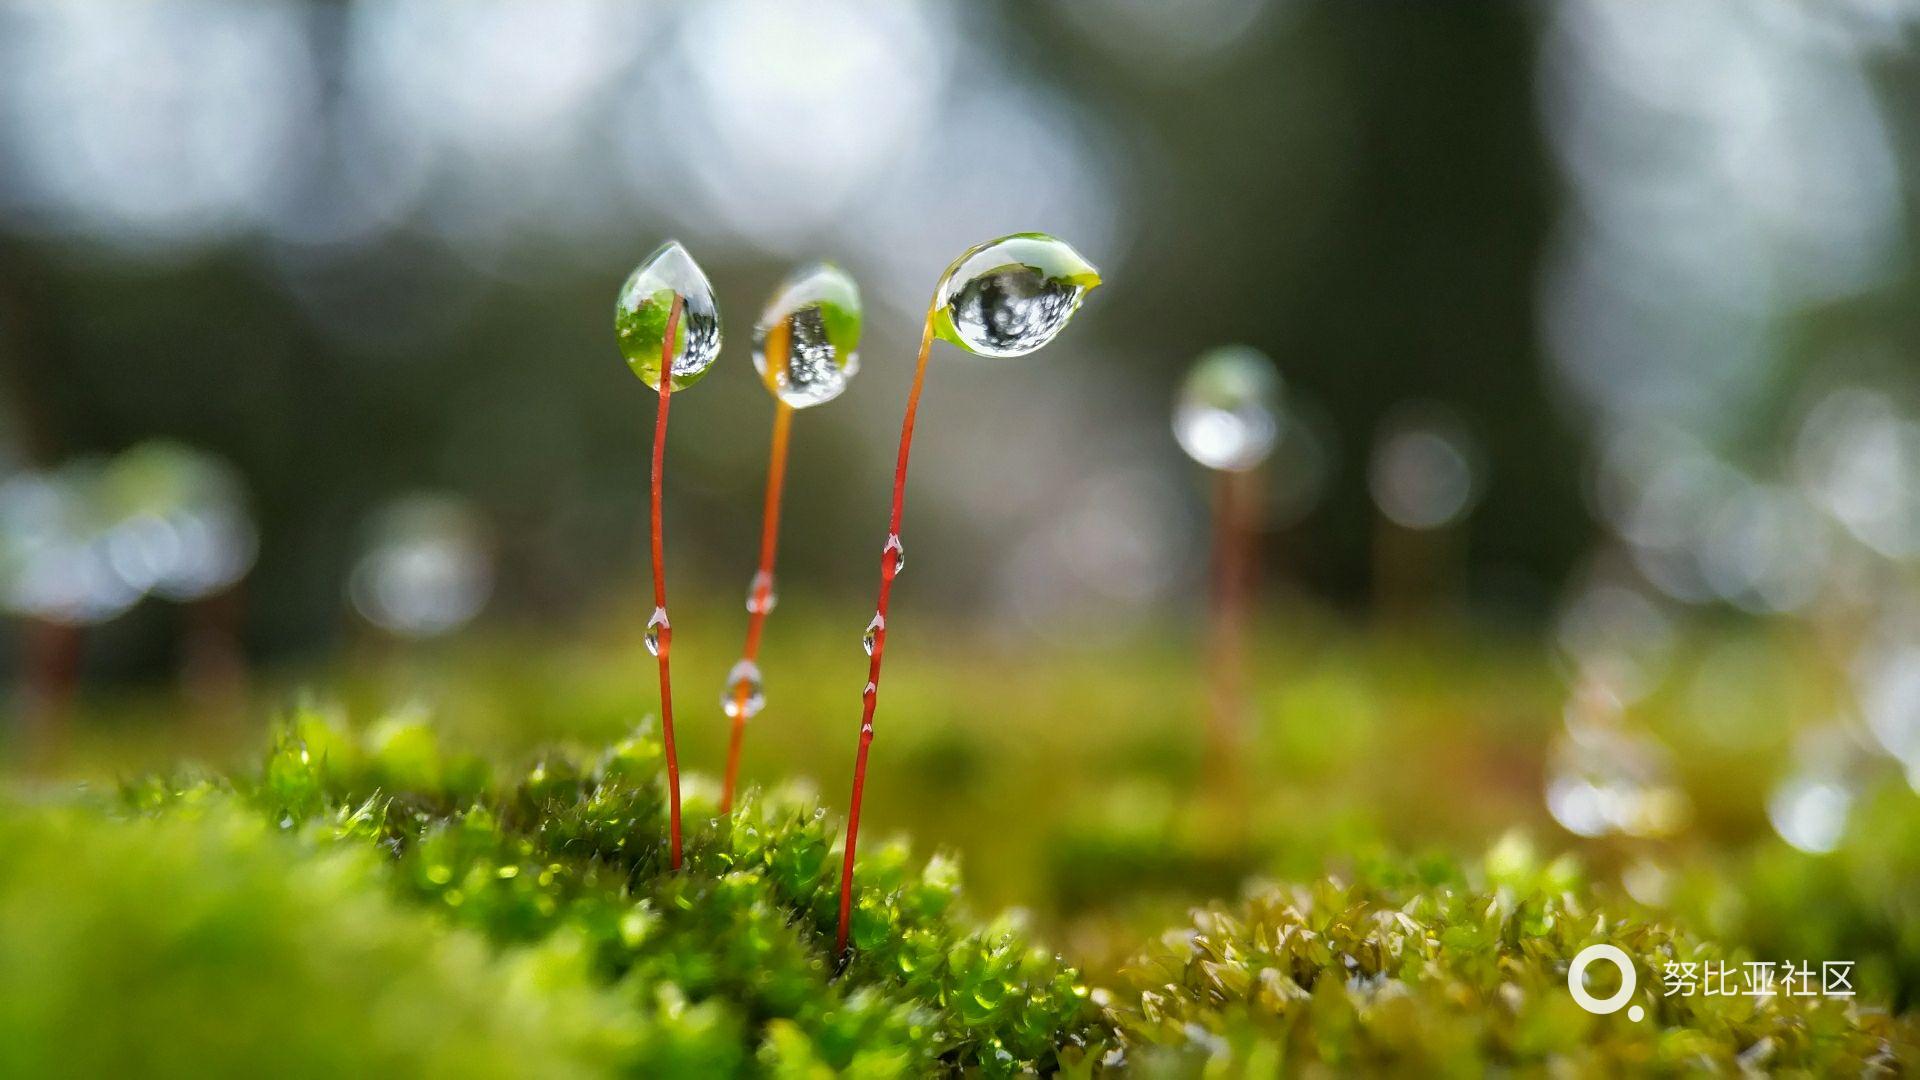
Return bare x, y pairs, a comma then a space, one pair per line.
640, 317
899, 551
1228, 413
658, 628
760, 595
805, 346
743, 696
1010, 296
871, 639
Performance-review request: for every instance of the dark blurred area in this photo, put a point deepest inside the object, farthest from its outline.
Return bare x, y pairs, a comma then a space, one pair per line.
366, 251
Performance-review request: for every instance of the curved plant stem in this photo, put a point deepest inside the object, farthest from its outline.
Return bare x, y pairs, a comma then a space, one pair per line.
889, 565
660, 579
760, 592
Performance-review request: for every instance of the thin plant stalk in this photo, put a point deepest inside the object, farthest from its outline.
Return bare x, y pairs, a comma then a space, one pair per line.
660, 581
889, 565
1233, 517
762, 589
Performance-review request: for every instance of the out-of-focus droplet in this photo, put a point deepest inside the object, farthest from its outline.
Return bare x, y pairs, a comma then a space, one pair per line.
55, 557
1228, 413
1010, 296
898, 550
1604, 780
658, 629
806, 343
1425, 470
1810, 812
875, 627
426, 570
640, 317
744, 695
760, 595
181, 529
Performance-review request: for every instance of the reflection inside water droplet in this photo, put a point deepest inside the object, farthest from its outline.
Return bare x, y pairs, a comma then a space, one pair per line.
805, 346
1012, 295
644, 306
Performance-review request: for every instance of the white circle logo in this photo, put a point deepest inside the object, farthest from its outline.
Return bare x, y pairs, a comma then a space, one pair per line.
1577, 977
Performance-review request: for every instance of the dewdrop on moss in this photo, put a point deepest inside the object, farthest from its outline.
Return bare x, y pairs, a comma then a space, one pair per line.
1010, 296
640, 317
806, 343
1227, 416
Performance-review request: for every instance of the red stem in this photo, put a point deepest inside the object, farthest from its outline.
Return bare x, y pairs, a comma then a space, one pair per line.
660, 578
889, 563
1232, 528
762, 587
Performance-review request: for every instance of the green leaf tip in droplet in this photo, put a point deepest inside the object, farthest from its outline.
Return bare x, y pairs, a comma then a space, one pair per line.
806, 345
1009, 297
644, 305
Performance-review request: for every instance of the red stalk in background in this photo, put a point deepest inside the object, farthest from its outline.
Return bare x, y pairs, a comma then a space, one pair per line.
762, 589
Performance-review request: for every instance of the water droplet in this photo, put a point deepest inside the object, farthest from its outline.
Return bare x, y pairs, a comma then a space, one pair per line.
1603, 780
1010, 296
870, 690
760, 595
1810, 812
1227, 416
871, 639
743, 696
805, 344
658, 630
1425, 469
899, 551
428, 569
640, 317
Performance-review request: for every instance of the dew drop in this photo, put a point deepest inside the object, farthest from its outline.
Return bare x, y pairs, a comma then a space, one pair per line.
1228, 413
1010, 296
899, 551
870, 689
760, 595
658, 630
743, 697
871, 639
640, 317
805, 345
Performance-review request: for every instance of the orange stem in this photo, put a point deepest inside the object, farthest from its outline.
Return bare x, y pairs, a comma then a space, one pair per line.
1232, 538
660, 578
761, 592
889, 563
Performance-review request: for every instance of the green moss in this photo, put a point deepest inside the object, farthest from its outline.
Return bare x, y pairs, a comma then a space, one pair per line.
1432, 971
739, 938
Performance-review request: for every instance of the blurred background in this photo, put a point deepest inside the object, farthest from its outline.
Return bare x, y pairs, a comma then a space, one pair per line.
1597, 455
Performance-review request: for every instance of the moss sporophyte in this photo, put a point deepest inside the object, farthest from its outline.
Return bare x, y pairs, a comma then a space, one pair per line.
669, 330
1004, 298
805, 348
1228, 419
